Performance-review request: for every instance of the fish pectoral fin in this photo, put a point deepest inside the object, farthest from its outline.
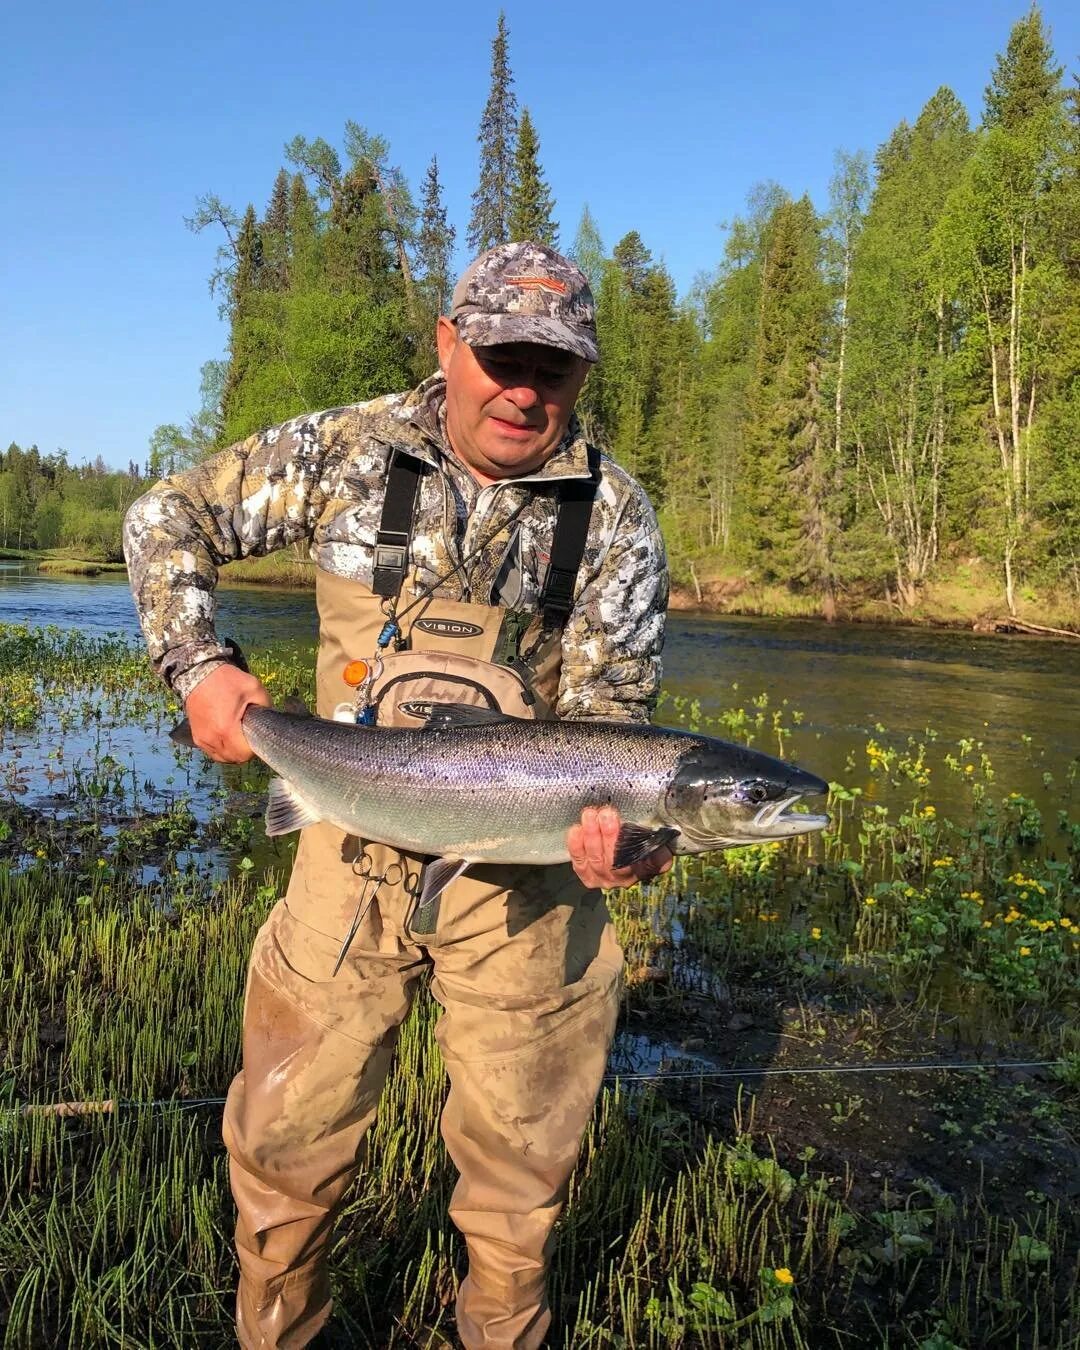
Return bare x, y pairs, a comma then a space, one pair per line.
438, 874
286, 810
636, 842
449, 715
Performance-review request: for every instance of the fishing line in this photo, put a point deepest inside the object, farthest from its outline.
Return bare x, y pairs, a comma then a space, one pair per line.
748, 1072
110, 1107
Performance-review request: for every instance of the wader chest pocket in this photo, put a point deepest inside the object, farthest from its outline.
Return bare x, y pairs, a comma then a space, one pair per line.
412, 681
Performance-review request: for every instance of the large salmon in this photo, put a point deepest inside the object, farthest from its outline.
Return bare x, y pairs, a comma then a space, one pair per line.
478, 786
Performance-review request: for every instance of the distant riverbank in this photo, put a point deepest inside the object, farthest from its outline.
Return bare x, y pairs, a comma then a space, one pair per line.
966, 600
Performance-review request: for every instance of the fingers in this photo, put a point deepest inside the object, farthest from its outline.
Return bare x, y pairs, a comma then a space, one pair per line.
591, 846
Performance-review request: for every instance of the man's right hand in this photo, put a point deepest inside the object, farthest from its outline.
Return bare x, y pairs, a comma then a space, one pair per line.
214, 709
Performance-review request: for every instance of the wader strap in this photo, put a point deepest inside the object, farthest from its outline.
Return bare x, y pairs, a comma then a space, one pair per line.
395, 527
568, 546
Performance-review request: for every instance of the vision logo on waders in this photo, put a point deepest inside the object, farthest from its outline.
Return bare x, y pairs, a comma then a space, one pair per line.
448, 628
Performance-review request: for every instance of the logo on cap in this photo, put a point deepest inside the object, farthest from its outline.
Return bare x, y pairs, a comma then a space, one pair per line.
539, 284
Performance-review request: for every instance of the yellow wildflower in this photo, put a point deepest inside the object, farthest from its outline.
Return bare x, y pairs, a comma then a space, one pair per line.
815, 933
869, 900
101, 862
929, 811
1025, 951
969, 768
942, 862
40, 853
783, 1276
987, 924
1065, 923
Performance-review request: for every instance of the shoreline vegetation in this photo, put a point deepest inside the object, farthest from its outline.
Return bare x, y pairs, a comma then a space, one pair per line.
785, 1154
968, 600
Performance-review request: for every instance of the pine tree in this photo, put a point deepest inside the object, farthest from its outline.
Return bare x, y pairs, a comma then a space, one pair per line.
489, 223
531, 204
434, 244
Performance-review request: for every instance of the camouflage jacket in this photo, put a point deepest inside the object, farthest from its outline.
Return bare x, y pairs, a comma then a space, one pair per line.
321, 477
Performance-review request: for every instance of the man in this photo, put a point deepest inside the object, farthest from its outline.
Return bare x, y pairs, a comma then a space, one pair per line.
475, 501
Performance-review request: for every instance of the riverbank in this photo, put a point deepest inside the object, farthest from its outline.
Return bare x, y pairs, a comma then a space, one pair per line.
968, 600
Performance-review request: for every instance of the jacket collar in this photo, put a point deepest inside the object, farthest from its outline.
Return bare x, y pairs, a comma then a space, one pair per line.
421, 431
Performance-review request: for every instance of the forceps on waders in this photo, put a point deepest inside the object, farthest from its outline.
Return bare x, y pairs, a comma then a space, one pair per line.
393, 875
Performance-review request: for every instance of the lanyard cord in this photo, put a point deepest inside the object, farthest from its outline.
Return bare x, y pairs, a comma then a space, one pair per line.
426, 592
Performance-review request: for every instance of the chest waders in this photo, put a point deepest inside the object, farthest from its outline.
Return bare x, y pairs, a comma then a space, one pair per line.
524, 962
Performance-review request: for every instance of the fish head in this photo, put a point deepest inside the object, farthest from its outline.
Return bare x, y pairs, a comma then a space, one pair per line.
723, 796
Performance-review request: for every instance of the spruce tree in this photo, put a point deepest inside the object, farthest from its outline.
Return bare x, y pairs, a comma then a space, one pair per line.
531, 204
1025, 81
489, 223
784, 438
634, 259
275, 235
303, 236
434, 244
588, 249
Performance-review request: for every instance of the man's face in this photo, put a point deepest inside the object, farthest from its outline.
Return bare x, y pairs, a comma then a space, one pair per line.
507, 407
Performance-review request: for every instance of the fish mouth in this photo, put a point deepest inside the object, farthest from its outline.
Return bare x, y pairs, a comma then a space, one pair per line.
777, 821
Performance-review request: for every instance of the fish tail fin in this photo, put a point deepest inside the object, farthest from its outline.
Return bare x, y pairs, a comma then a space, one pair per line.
181, 734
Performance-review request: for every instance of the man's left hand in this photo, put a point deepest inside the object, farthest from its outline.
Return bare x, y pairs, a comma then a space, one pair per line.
592, 852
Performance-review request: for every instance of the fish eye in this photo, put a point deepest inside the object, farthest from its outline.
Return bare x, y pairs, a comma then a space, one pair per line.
755, 792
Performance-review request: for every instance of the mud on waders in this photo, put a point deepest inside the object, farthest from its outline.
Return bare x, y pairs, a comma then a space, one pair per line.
524, 963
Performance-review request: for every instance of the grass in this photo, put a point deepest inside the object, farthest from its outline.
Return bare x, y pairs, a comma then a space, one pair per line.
289, 568
924, 1210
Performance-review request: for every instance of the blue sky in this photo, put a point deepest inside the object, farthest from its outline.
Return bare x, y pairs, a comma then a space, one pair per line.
117, 116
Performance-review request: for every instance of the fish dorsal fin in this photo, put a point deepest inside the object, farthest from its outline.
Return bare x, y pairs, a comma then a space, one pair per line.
293, 703
286, 810
438, 874
445, 716
636, 842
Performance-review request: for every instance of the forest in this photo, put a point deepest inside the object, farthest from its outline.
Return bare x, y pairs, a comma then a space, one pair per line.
873, 400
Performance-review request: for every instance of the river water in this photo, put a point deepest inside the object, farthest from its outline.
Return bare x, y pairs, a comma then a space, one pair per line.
849, 682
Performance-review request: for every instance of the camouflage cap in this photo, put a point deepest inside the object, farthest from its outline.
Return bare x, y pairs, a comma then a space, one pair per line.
525, 293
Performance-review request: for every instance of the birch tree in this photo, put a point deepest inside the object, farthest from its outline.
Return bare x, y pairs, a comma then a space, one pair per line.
994, 234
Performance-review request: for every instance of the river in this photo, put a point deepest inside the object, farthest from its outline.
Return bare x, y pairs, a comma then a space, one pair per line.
849, 682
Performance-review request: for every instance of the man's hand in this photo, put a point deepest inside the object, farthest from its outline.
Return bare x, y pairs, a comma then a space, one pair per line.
214, 709
592, 852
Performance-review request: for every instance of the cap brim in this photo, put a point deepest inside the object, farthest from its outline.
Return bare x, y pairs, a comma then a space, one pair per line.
488, 330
